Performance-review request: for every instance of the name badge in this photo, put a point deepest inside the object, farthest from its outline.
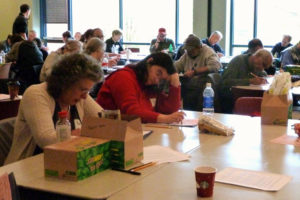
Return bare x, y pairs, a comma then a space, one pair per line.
77, 124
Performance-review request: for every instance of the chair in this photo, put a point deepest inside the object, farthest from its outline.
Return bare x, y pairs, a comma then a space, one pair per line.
134, 50
6, 137
215, 79
248, 106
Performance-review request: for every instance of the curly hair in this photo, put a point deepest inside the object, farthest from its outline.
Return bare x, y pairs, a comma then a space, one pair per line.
69, 70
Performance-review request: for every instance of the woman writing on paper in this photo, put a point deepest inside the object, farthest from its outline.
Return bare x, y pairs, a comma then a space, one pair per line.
132, 88
66, 88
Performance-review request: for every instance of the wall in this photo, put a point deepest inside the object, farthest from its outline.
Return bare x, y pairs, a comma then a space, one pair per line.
219, 18
10, 9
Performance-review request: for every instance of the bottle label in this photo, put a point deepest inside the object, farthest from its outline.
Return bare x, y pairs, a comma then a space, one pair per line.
208, 102
63, 132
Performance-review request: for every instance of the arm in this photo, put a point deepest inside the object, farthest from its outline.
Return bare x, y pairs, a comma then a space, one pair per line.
170, 103
179, 64
38, 109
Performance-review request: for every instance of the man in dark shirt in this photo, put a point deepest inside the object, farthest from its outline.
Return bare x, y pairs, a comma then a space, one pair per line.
280, 46
213, 42
162, 43
113, 44
20, 25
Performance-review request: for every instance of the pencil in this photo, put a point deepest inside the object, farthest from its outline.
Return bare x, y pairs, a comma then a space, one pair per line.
254, 75
142, 166
126, 171
157, 126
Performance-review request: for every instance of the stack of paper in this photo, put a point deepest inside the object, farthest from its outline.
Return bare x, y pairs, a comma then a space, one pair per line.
162, 154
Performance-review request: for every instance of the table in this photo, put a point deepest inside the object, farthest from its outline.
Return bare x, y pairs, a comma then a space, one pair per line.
29, 172
9, 108
134, 57
249, 148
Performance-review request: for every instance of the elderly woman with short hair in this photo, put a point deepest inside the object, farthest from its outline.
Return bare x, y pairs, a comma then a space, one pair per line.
66, 88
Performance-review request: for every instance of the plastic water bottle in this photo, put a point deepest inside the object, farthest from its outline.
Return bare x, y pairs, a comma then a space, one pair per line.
171, 48
2, 57
63, 127
208, 99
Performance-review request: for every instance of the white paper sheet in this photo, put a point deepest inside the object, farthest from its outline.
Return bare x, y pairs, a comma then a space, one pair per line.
252, 179
162, 154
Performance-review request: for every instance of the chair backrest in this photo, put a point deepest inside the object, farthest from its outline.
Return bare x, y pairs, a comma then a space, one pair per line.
248, 106
6, 137
134, 50
215, 79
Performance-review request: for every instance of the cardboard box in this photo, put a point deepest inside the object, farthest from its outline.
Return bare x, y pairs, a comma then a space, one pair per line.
276, 109
77, 158
126, 136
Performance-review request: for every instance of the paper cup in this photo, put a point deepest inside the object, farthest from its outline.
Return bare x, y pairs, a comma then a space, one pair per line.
205, 178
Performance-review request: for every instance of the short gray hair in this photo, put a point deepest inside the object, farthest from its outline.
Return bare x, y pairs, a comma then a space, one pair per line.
217, 33
93, 45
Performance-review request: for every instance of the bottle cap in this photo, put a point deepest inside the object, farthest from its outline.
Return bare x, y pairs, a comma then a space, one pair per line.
63, 114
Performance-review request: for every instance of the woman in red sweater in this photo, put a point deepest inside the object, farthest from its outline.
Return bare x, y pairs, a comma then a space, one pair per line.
131, 88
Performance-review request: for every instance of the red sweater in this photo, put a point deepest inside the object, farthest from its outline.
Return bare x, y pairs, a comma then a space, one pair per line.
121, 90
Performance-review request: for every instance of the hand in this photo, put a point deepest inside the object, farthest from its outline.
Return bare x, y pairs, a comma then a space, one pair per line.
174, 117
220, 55
76, 132
258, 80
189, 73
112, 62
174, 80
156, 44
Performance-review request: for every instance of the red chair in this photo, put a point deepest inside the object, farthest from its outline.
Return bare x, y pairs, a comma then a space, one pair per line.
248, 106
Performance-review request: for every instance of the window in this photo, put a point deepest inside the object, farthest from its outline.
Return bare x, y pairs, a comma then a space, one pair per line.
274, 18
102, 14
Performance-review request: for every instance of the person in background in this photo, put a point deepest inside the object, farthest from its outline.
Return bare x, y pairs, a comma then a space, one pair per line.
113, 43
5, 45
67, 89
20, 25
88, 34
197, 61
280, 46
42, 48
132, 88
31, 35
72, 46
254, 45
97, 32
180, 51
291, 55
95, 48
66, 36
244, 69
162, 43
213, 42
77, 36
12, 55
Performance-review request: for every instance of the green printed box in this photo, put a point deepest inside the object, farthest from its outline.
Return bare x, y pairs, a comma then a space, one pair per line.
126, 136
77, 158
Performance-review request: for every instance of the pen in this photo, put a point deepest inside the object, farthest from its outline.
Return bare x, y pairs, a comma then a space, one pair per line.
157, 126
126, 171
254, 75
134, 169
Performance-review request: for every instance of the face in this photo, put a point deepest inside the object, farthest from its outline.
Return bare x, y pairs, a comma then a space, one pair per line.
99, 34
31, 36
117, 38
193, 52
77, 36
27, 14
99, 54
259, 64
214, 39
285, 41
77, 92
156, 73
161, 36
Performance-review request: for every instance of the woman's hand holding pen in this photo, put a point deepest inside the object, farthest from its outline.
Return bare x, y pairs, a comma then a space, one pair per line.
174, 117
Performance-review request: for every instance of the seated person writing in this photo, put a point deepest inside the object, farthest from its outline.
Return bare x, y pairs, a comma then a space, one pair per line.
131, 88
162, 43
197, 61
67, 89
291, 56
243, 69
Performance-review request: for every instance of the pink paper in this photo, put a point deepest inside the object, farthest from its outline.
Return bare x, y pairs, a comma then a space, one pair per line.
287, 139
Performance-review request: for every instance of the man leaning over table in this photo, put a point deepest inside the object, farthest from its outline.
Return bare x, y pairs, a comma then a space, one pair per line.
243, 69
197, 61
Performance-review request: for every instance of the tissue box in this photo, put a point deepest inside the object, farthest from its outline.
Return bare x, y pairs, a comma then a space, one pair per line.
276, 109
77, 158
